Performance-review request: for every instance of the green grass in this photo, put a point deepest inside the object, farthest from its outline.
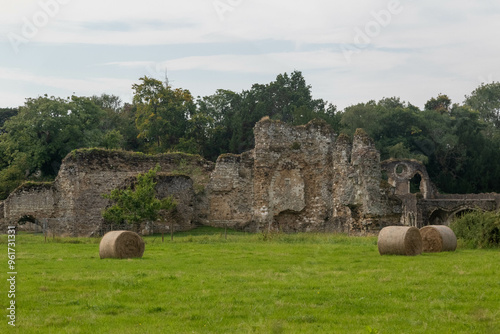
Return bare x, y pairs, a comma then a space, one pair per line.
277, 283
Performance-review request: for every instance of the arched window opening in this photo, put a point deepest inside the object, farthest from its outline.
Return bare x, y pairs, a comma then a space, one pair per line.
415, 184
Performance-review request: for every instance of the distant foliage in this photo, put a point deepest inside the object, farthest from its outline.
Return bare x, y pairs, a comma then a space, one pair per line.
459, 148
486, 100
478, 229
458, 143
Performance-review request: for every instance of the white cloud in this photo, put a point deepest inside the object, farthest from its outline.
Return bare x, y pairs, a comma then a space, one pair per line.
274, 63
81, 84
428, 47
59, 86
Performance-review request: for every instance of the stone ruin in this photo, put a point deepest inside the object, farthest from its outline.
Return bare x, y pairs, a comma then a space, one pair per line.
296, 179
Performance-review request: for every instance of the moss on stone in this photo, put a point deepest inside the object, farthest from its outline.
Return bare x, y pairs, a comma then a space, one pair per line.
30, 186
229, 157
344, 138
101, 153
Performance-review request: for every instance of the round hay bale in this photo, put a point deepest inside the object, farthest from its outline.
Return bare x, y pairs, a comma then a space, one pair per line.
121, 245
438, 238
399, 240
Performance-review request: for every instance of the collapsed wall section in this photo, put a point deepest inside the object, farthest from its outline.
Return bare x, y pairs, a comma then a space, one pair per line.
31, 205
283, 184
303, 178
73, 204
362, 201
86, 175
230, 192
292, 175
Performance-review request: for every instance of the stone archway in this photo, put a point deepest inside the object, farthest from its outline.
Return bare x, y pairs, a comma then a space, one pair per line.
438, 217
31, 224
445, 217
461, 211
417, 184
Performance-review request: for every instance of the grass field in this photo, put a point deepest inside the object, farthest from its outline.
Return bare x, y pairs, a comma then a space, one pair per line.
202, 283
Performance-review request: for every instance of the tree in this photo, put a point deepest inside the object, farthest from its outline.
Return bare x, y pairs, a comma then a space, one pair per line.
162, 113
486, 100
5, 114
46, 129
138, 203
118, 124
440, 104
42, 133
214, 123
362, 115
288, 99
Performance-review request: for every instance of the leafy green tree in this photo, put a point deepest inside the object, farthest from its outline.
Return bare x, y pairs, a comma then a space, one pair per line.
43, 132
108, 102
128, 128
118, 124
455, 143
5, 114
478, 229
162, 113
393, 125
46, 129
215, 123
486, 100
138, 203
112, 140
12, 176
366, 116
441, 104
288, 99
400, 151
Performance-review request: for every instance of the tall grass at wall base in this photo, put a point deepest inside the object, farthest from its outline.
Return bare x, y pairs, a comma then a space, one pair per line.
478, 229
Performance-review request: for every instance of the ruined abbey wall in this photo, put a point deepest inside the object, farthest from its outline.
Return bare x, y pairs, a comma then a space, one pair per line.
302, 178
73, 204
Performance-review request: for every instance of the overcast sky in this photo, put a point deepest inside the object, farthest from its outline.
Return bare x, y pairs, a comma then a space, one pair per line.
348, 51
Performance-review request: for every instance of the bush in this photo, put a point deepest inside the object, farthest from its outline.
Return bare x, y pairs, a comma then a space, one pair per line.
478, 229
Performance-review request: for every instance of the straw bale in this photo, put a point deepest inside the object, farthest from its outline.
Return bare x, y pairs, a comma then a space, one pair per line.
438, 238
121, 245
399, 240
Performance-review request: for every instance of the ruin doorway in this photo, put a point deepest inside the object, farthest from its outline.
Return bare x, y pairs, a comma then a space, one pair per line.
31, 224
439, 217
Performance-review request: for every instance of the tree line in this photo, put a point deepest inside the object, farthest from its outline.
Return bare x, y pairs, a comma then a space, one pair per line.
458, 142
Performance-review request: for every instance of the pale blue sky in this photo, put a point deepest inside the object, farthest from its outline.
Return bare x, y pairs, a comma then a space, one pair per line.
349, 51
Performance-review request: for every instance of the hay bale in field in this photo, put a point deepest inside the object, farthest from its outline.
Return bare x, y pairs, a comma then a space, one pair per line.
438, 238
121, 245
399, 240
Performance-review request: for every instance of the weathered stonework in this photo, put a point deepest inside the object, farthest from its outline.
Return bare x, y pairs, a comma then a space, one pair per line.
428, 206
303, 178
362, 200
73, 203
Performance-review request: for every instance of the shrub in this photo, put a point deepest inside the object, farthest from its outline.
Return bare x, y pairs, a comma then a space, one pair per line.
478, 229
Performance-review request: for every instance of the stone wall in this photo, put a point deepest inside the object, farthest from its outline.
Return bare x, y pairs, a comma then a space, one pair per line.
231, 191
363, 202
302, 179
292, 175
73, 204
31, 200
427, 206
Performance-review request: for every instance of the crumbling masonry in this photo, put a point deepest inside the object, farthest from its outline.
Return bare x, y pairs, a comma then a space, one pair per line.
303, 178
